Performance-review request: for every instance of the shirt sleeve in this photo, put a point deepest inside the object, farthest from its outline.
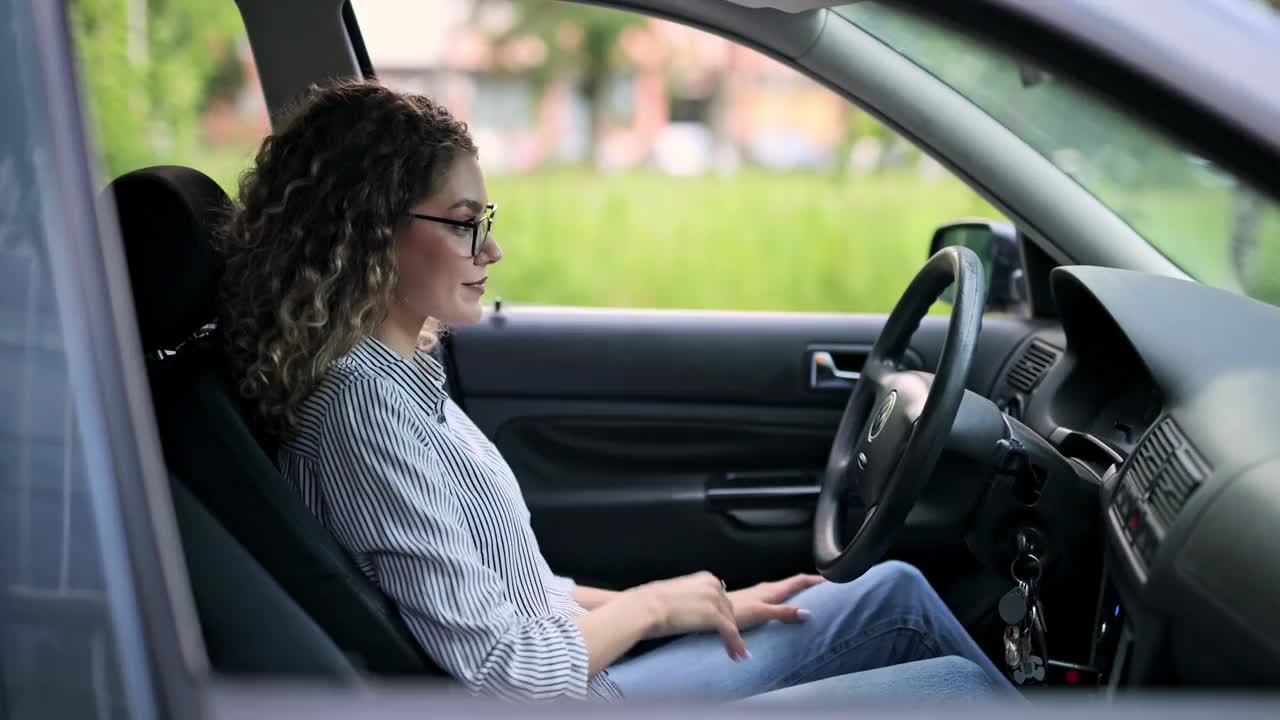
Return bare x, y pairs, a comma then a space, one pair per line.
387, 499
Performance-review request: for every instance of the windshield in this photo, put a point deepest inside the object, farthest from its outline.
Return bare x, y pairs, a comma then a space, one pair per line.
1213, 226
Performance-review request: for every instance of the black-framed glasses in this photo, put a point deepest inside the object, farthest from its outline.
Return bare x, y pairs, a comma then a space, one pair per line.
478, 239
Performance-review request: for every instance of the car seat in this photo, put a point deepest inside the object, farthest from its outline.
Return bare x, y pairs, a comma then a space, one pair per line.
168, 216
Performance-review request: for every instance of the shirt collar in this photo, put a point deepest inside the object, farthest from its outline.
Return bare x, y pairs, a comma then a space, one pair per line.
423, 374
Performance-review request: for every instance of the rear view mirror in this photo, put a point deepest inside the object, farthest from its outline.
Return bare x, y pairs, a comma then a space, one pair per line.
996, 244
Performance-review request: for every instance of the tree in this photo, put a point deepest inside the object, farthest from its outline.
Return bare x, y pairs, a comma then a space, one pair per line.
148, 69
581, 43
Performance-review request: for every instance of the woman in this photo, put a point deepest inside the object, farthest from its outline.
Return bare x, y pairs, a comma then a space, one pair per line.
363, 224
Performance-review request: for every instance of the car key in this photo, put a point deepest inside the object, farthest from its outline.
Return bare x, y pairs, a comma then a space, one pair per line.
1037, 610
1034, 650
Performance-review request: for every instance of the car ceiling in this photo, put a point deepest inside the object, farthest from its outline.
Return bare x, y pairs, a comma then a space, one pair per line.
1238, 74
1202, 72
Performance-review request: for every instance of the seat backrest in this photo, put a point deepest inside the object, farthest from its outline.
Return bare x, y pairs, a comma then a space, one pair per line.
208, 445
167, 217
250, 625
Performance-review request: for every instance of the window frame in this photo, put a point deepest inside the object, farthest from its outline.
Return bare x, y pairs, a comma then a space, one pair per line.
160, 652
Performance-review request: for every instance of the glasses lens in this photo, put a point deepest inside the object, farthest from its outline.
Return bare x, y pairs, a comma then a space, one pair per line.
482, 230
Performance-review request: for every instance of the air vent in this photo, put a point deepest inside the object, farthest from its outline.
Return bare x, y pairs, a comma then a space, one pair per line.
1165, 471
1031, 366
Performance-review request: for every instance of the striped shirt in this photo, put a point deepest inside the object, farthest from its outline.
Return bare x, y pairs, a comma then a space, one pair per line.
434, 516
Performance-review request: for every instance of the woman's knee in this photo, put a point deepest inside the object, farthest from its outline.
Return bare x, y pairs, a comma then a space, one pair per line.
899, 575
903, 589
891, 588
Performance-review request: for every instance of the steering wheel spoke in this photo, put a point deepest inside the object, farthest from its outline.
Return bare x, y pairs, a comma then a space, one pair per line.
875, 369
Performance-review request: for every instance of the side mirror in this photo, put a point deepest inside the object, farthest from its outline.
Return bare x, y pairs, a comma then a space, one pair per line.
996, 244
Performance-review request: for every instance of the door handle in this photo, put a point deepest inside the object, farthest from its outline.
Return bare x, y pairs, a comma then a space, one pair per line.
766, 492
768, 499
824, 373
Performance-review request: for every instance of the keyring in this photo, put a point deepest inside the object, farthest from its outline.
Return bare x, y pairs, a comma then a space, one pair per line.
1026, 568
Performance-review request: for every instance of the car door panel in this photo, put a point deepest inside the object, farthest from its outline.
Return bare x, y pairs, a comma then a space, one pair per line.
653, 443
626, 491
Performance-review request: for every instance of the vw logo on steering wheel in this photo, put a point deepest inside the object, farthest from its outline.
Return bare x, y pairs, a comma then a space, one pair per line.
882, 416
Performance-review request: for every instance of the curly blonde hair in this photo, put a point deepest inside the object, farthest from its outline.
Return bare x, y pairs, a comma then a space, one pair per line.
310, 262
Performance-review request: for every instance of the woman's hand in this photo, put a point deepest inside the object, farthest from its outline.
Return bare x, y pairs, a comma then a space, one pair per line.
761, 603
692, 603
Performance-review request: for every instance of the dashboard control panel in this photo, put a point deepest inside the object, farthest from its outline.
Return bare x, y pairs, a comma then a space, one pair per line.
1160, 477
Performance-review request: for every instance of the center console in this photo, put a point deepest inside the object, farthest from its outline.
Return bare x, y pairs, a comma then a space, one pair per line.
1141, 498
1142, 501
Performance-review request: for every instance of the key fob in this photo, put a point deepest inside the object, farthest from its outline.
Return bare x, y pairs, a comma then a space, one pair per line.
1013, 606
1012, 647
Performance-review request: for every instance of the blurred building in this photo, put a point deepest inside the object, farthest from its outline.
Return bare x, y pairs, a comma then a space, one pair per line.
675, 98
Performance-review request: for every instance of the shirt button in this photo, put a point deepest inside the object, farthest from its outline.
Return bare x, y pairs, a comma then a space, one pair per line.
440, 418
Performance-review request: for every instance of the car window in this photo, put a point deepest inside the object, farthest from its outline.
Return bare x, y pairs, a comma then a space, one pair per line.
1214, 226
57, 652
169, 83
639, 163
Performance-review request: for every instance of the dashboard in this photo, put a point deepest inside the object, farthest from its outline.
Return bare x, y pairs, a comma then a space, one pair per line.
1168, 391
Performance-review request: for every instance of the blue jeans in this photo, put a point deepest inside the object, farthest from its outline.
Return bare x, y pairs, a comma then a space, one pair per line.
889, 616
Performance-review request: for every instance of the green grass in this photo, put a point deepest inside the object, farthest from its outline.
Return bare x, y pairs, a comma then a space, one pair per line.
791, 242
752, 241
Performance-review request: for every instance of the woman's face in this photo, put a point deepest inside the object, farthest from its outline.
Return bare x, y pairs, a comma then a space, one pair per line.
438, 276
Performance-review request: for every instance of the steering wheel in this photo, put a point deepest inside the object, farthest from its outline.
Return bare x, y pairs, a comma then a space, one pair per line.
897, 420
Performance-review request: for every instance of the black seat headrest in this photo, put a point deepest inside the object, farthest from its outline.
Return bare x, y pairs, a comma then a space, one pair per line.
168, 216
